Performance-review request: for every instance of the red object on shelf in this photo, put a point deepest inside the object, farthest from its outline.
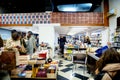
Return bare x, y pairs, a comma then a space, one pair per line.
42, 55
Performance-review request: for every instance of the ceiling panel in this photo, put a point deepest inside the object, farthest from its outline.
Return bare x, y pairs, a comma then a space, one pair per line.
62, 30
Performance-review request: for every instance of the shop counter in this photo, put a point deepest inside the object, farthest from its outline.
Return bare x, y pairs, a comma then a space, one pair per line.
33, 70
91, 63
35, 73
92, 55
49, 77
70, 50
18, 78
76, 48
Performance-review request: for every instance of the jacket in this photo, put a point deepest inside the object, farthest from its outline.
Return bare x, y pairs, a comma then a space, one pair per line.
113, 70
109, 72
31, 45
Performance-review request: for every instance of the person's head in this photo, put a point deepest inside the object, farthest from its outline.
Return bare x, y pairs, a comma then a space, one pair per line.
13, 31
87, 37
29, 33
61, 36
4, 75
109, 56
15, 36
20, 35
108, 44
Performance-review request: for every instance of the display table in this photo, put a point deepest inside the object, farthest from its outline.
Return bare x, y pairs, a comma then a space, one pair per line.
50, 76
24, 72
18, 78
80, 49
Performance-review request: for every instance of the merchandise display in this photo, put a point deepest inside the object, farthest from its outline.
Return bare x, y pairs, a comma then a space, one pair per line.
7, 60
36, 71
37, 66
116, 41
96, 40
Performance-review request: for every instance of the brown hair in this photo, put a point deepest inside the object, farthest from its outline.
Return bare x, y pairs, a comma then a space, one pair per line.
109, 56
15, 36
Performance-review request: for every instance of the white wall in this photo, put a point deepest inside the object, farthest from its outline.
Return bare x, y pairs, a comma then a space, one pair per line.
56, 38
47, 34
113, 4
105, 36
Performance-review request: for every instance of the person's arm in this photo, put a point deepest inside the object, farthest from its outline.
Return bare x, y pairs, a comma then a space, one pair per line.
9, 44
24, 43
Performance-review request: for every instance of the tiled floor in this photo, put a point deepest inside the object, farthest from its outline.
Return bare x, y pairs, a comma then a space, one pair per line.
66, 73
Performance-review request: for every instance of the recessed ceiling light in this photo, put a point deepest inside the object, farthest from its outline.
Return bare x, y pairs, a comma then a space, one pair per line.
75, 7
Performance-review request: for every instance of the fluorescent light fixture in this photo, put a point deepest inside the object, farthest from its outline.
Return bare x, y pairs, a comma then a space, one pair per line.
69, 9
76, 30
75, 7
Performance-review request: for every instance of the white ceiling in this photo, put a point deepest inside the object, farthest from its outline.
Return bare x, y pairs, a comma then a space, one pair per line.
24, 28
66, 30
77, 29
62, 30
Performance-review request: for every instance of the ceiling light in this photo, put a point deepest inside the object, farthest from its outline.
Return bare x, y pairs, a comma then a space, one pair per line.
75, 7
76, 30
69, 9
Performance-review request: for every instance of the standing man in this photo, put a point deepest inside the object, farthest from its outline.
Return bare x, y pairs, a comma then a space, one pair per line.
31, 43
61, 42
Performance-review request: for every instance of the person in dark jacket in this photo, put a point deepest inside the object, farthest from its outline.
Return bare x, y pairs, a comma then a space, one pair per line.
61, 42
108, 66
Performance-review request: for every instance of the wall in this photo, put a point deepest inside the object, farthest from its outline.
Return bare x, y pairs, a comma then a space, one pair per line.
5, 34
88, 18
25, 18
105, 36
46, 34
77, 18
56, 38
113, 4
99, 9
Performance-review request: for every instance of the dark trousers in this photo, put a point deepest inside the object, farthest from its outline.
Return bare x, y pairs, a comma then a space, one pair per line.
62, 49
